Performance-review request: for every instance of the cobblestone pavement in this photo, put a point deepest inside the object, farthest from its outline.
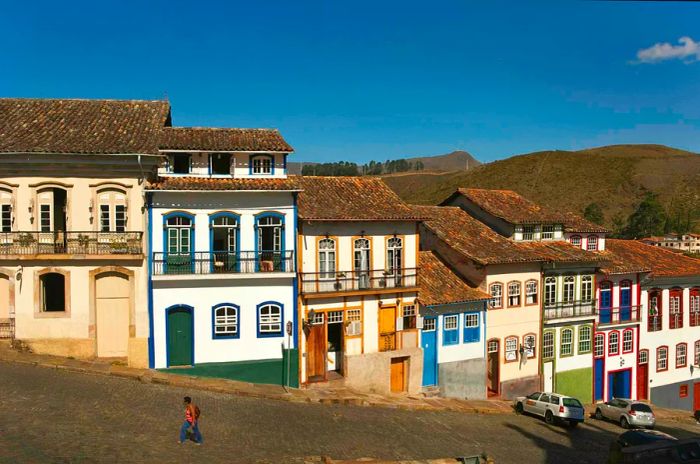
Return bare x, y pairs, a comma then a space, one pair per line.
51, 415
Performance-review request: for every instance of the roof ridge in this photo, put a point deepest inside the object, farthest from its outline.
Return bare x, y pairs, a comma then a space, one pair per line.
225, 128
83, 99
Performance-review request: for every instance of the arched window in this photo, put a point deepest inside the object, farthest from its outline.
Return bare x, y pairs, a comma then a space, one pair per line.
270, 242
270, 319
496, 291
575, 240
625, 300
362, 261
627, 341
550, 291
567, 342
514, 294
226, 321
326, 258
681, 355
112, 207
394, 255
179, 231
655, 322
695, 306
548, 345
584, 339
661, 358
586, 288
592, 243
531, 292
569, 289
511, 351
614, 343
599, 347
675, 308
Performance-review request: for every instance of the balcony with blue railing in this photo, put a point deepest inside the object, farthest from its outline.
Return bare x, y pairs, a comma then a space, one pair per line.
222, 262
619, 315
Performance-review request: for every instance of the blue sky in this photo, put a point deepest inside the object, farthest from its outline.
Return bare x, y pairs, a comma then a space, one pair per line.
368, 80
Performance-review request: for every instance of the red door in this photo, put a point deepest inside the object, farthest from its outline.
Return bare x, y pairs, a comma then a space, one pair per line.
696, 396
643, 375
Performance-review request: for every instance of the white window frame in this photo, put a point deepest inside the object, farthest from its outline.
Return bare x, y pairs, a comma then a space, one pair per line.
599, 345
327, 256
550, 291
228, 322
613, 340
531, 292
530, 348
496, 297
584, 339
511, 348
569, 289
548, 344
567, 343
586, 288
662, 359
627, 344
270, 323
592, 243
514, 293
548, 232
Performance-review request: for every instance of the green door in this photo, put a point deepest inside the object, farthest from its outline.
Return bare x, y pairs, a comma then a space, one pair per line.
180, 344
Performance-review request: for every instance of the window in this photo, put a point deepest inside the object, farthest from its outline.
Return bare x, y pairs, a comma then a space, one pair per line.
496, 291
180, 163
335, 317
394, 250
599, 347
587, 288
261, 164
45, 218
592, 243
224, 235
220, 163
528, 232
627, 341
472, 331
567, 340
353, 315
662, 358
492, 346
269, 227
655, 322
613, 343
675, 308
53, 292
584, 339
643, 356
409, 317
683, 391
548, 345
695, 307
548, 232
362, 262
681, 355
511, 350
178, 230
569, 288
550, 291
226, 321
514, 294
112, 210
529, 345
697, 354
326, 258
450, 330
429, 324
5, 218
269, 320
531, 292
575, 240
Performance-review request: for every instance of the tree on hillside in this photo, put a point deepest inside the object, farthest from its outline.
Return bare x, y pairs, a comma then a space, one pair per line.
648, 219
618, 225
682, 209
419, 166
594, 213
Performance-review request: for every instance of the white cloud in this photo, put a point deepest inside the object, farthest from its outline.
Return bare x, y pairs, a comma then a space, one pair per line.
688, 51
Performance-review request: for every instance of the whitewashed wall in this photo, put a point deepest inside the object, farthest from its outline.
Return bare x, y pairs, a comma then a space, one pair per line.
240, 165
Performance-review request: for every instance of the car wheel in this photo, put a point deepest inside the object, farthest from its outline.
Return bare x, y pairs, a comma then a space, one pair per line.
598, 414
519, 408
549, 417
624, 423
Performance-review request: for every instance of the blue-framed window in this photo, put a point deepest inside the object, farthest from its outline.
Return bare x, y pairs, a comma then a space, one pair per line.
260, 165
472, 329
270, 318
226, 321
224, 240
450, 329
270, 242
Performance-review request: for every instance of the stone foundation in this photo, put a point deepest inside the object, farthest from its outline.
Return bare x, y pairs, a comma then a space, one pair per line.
372, 371
80, 348
464, 379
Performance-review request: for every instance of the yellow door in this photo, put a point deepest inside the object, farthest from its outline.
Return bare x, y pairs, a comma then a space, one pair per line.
112, 314
398, 375
4, 297
387, 329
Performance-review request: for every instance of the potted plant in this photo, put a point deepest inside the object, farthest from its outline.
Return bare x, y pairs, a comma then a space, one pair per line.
26, 239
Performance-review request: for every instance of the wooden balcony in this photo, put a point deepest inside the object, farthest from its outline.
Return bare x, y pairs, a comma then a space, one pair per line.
569, 309
70, 243
620, 315
358, 281
222, 262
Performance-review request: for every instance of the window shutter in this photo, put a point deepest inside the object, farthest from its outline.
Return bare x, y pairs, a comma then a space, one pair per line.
354, 328
419, 322
399, 323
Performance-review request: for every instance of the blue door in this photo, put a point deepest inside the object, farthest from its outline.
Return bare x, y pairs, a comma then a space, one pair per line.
605, 302
598, 379
619, 384
625, 302
429, 344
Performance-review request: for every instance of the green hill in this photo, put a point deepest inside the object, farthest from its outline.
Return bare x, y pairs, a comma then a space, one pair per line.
616, 177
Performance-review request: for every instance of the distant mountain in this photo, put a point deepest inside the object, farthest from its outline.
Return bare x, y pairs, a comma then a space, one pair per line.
455, 161
616, 177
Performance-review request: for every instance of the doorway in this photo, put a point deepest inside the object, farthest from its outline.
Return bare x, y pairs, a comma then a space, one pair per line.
429, 344
387, 328
696, 396
493, 374
52, 219
316, 349
220, 163
112, 304
619, 384
643, 375
334, 338
270, 243
180, 336
548, 376
599, 379
399, 372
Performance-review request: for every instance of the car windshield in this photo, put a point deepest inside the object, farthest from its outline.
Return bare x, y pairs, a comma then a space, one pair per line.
534, 396
641, 407
572, 403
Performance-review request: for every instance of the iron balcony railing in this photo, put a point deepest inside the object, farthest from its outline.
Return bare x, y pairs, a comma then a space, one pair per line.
61, 242
563, 310
222, 262
343, 281
619, 315
7, 328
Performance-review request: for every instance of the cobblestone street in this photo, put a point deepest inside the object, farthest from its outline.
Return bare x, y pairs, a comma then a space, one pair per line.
56, 416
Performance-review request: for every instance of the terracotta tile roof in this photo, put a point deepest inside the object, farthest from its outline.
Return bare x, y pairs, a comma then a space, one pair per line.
351, 199
509, 206
205, 183
574, 223
29, 125
223, 139
635, 256
439, 285
480, 243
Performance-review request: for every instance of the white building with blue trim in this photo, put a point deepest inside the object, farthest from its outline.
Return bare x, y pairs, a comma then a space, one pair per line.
222, 234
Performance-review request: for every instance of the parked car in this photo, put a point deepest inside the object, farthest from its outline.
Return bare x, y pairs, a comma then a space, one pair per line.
627, 413
552, 406
653, 447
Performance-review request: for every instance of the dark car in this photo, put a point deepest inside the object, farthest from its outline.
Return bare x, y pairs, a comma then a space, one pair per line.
651, 446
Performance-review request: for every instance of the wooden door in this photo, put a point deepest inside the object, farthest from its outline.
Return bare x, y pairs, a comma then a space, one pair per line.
493, 360
398, 375
548, 375
387, 328
112, 302
180, 336
643, 375
696, 396
316, 353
